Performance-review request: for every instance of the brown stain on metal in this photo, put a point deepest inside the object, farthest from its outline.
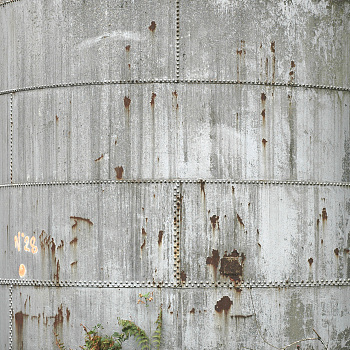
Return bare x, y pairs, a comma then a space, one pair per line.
119, 172
74, 241
292, 64
99, 158
56, 275
336, 251
202, 187
192, 311
153, 99
58, 317
19, 318
152, 27
127, 48
240, 220
263, 97
73, 263
324, 214
183, 276
143, 244
175, 104
127, 102
346, 250
241, 316
273, 60
232, 266
57, 118
215, 221
67, 314
160, 237
214, 259
223, 304
264, 142
310, 261
61, 245
144, 233
79, 219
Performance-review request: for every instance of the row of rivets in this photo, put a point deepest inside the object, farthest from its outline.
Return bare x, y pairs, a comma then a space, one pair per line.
10, 317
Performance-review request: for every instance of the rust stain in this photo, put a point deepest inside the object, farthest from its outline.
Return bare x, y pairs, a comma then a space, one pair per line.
241, 316
321, 241
56, 275
215, 221
67, 314
160, 237
336, 251
19, 318
240, 220
61, 245
175, 93
310, 261
53, 246
143, 244
99, 158
153, 99
127, 102
324, 214
273, 47
292, 64
152, 27
202, 187
264, 142
58, 317
57, 118
223, 304
263, 97
78, 218
214, 259
127, 48
183, 276
192, 311
144, 233
73, 263
119, 172
232, 266
263, 113
74, 240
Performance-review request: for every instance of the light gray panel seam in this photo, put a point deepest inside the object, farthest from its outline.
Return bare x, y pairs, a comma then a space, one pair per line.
180, 181
175, 81
10, 316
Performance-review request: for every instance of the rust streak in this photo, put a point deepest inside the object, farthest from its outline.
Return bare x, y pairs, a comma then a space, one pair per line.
67, 314
264, 142
160, 237
127, 48
214, 259
143, 244
310, 261
152, 27
119, 172
58, 317
215, 221
127, 102
153, 99
240, 220
324, 214
336, 251
183, 276
74, 240
144, 233
263, 97
99, 158
78, 218
192, 311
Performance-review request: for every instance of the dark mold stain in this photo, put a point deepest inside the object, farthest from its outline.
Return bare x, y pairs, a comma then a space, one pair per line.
310, 261
223, 304
232, 266
240, 220
192, 311
78, 218
214, 259
336, 251
127, 102
99, 158
160, 237
215, 221
153, 99
152, 27
324, 214
127, 47
183, 276
119, 172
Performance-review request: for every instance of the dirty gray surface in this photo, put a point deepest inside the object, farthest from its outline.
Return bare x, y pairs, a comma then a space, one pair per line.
144, 175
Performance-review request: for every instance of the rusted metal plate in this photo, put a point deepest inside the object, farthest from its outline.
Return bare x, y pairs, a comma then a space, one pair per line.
192, 318
88, 41
42, 311
4, 312
109, 232
235, 232
97, 132
167, 131
5, 137
246, 41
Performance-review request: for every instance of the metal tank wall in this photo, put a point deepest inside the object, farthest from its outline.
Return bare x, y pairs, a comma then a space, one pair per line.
196, 149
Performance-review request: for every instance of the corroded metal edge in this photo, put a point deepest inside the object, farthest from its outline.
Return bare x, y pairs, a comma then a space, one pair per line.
188, 285
176, 81
179, 181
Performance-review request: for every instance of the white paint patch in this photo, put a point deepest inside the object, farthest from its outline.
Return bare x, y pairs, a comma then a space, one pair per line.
117, 35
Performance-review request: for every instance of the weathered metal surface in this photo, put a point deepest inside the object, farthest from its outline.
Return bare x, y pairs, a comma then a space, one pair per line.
103, 232
300, 41
86, 40
5, 135
4, 312
284, 232
167, 131
192, 318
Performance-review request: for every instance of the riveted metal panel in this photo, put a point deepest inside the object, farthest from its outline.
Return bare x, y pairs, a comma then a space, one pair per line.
4, 312
95, 132
107, 232
304, 42
62, 312
85, 40
264, 232
5, 138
